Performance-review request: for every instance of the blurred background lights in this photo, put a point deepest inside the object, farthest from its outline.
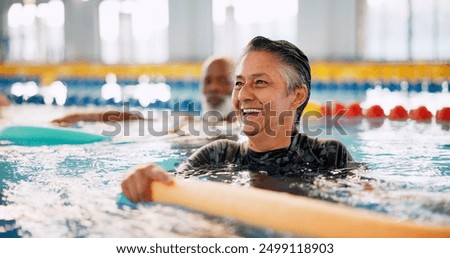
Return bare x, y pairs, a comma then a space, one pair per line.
55, 92
111, 90
25, 89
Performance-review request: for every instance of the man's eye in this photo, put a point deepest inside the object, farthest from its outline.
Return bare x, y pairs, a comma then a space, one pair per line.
260, 82
238, 85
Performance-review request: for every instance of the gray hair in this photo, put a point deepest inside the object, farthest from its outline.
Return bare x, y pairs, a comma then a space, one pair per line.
295, 69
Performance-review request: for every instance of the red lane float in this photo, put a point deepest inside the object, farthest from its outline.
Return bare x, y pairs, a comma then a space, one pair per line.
398, 113
421, 114
375, 111
443, 115
354, 110
335, 109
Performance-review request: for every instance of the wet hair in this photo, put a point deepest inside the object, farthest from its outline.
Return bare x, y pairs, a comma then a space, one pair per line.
295, 65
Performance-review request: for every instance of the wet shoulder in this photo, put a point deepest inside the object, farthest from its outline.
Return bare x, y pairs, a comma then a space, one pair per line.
218, 152
329, 153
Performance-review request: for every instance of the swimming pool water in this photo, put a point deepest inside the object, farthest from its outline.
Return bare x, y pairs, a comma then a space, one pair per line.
71, 190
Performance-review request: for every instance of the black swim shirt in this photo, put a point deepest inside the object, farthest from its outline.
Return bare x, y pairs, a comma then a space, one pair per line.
303, 152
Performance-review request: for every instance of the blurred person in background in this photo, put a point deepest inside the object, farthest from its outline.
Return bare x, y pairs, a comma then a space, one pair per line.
216, 85
3, 101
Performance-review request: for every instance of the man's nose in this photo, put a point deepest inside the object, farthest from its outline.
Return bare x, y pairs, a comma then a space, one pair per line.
246, 93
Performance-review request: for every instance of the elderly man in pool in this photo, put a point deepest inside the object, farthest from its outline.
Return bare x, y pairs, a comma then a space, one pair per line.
216, 85
272, 88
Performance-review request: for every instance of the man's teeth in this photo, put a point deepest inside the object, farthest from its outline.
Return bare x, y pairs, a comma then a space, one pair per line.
251, 110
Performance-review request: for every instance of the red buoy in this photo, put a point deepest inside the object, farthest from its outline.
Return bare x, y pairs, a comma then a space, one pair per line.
339, 108
398, 113
333, 109
325, 110
354, 110
375, 111
420, 114
443, 115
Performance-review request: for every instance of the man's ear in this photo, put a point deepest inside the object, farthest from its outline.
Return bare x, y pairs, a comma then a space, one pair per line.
299, 96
